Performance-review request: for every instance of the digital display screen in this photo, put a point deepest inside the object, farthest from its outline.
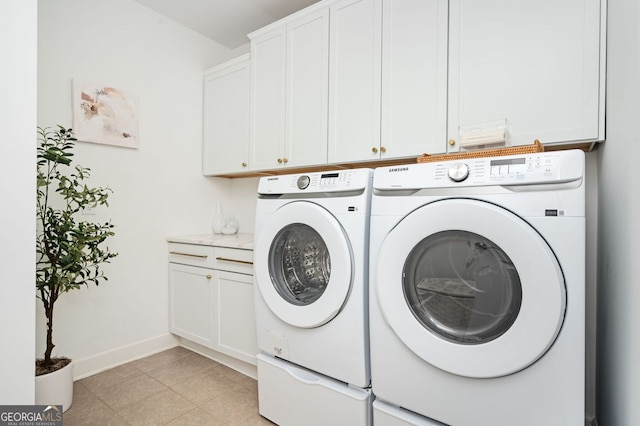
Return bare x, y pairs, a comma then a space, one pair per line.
507, 162
329, 175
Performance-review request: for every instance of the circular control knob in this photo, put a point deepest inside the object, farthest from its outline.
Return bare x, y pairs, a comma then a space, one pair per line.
458, 172
303, 182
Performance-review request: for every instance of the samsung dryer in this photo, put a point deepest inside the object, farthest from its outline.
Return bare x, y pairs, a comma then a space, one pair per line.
477, 307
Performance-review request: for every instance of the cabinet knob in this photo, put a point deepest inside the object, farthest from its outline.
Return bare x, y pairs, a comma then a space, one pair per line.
279, 160
452, 142
383, 149
208, 276
374, 150
244, 164
285, 160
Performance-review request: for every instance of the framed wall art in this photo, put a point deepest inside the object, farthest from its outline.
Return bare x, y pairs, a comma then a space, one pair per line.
105, 115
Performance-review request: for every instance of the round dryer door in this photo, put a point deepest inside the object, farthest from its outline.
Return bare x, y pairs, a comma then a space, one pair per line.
470, 288
303, 264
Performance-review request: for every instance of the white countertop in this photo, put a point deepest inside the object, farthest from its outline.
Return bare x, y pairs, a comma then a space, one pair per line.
241, 241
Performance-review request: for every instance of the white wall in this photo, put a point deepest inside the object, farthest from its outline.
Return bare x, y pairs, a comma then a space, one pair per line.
591, 281
244, 192
619, 225
18, 21
158, 188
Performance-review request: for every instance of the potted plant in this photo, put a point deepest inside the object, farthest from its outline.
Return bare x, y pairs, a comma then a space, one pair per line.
69, 250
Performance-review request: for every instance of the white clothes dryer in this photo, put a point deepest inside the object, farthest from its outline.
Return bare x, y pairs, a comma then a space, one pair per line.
477, 291
385, 414
311, 297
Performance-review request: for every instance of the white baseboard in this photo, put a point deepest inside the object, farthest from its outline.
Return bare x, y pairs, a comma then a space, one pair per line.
85, 367
240, 366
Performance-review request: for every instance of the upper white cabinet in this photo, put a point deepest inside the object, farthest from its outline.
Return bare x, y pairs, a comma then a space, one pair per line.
348, 81
267, 99
414, 77
289, 80
307, 81
354, 80
536, 65
225, 146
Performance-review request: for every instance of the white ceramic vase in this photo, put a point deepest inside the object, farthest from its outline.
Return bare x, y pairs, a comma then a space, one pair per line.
56, 388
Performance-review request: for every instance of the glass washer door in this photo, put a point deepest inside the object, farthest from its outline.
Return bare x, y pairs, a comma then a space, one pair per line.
470, 288
299, 264
303, 264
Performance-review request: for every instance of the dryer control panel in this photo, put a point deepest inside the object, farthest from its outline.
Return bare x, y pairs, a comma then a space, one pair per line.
527, 169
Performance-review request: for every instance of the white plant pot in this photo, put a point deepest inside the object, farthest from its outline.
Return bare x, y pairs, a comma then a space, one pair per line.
56, 388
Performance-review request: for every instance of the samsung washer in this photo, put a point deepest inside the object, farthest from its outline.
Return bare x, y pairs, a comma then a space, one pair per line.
477, 303
311, 287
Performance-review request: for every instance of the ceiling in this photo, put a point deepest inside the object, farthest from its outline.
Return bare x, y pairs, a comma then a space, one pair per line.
226, 21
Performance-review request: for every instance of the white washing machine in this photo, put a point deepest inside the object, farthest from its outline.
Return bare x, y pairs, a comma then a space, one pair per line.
311, 287
477, 302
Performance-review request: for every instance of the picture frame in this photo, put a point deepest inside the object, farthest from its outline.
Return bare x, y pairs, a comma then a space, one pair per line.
105, 115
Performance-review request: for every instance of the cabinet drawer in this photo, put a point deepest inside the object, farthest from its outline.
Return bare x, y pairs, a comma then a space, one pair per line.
233, 260
191, 254
221, 258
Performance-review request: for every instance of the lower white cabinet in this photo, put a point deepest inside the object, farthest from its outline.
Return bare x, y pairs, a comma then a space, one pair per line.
234, 317
190, 294
211, 298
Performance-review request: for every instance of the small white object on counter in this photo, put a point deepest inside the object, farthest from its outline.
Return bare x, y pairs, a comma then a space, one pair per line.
231, 226
229, 230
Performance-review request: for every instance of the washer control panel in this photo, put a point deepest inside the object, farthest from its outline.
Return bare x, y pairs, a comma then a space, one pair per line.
316, 182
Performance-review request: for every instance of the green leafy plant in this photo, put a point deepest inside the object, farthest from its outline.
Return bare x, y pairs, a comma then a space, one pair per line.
69, 250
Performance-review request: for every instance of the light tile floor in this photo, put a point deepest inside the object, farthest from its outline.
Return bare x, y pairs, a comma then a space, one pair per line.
174, 387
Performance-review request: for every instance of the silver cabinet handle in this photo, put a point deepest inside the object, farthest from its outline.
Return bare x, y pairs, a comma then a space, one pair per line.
226, 259
199, 256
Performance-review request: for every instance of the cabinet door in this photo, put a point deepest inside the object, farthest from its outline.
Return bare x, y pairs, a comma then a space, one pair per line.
354, 80
226, 118
190, 296
414, 77
535, 64
307, 89
235, 328
268, 56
